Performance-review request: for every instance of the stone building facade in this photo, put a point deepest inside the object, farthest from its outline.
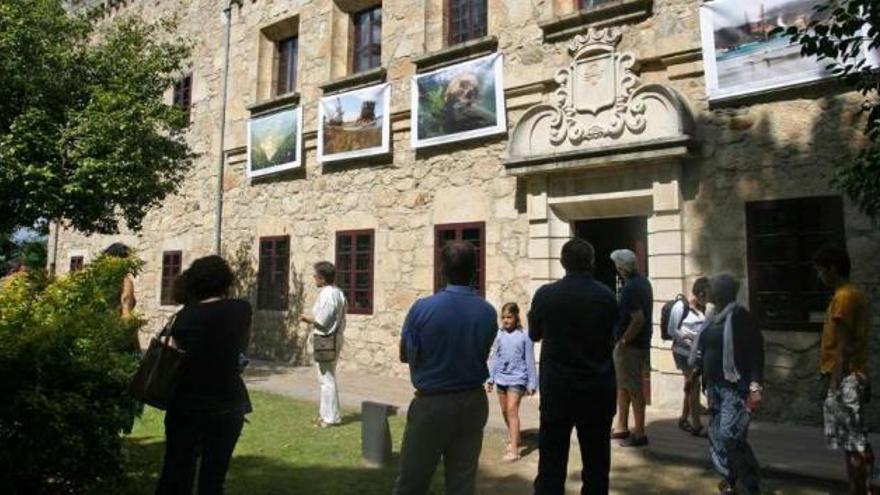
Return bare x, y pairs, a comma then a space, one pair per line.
620, 146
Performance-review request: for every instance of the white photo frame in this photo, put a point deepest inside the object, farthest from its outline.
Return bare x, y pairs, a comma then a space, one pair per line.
346, 118
445, 109
274, 142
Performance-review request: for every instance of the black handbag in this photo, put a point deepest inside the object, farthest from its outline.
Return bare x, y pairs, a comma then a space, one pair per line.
156, 379
324, 347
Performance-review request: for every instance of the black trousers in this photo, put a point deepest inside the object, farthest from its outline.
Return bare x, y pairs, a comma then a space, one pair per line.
591, 413
190, 436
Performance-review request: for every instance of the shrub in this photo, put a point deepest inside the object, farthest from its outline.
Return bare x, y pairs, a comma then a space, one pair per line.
65, 361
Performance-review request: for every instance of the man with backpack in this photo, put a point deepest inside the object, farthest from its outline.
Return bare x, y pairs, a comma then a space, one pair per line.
681, 320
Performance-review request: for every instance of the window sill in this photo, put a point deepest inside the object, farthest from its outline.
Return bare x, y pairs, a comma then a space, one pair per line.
276, 103
614, 12
354, 81
456, 53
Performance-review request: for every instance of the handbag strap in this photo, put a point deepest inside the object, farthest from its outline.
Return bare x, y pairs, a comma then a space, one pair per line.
165, 334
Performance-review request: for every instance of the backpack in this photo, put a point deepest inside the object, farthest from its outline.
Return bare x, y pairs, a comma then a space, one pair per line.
666, 314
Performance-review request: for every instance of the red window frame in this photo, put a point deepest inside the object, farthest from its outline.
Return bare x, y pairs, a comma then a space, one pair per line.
172, 264
273, 284
781, 238
347, 270
183, 94
76, 263
466, 20
367, 42
458, 230
288, 56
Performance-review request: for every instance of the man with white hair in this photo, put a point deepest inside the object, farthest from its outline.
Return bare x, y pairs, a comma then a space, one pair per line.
633, 336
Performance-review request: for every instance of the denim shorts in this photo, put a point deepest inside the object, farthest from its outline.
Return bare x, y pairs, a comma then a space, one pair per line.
513, 389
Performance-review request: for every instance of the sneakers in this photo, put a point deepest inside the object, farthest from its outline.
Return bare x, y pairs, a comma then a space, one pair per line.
634, 441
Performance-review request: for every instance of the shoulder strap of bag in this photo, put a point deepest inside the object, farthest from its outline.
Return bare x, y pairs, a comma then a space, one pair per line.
165, 334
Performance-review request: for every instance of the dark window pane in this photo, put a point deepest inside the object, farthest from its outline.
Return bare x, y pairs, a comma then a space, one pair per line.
272, 291
354, 269
343, 243
362, 281
363, 262
367, 39
287, 60
467, 20
362, 299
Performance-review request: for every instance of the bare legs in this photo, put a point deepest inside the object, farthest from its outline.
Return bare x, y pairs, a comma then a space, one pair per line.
509, 403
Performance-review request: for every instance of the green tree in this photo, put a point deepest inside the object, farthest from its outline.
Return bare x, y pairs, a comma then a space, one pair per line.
839, 35
86, 135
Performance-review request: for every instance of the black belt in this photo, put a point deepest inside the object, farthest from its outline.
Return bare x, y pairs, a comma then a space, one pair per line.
434, 393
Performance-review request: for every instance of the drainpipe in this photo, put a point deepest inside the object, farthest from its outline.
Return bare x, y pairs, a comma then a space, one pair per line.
221, 153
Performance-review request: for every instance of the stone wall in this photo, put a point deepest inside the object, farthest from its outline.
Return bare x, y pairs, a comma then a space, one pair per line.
775, 146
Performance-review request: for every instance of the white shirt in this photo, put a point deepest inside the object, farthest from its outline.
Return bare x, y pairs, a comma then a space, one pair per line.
684, 334
329, 310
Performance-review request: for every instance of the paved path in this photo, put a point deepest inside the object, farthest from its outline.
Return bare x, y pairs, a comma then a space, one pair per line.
786, 452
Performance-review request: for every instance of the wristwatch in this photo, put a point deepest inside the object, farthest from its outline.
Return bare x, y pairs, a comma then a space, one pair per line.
755, 387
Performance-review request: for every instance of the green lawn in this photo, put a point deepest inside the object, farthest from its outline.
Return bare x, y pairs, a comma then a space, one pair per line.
279, 452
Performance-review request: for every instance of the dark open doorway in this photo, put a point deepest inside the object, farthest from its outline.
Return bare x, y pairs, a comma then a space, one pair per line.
608, 234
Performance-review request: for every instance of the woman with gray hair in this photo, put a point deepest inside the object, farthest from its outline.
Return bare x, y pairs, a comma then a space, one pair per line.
730, 350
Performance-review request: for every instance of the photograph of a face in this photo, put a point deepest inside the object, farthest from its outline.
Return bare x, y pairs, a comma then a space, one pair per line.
742, 57
354, 124
458, 102
274, 142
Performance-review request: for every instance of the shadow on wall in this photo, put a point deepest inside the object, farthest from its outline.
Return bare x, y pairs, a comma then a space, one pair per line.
749, 154
276, 335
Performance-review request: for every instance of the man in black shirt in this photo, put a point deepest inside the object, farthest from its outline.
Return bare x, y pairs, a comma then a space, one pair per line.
575, 317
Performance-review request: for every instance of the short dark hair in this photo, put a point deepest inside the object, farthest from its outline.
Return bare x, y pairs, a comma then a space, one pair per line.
118, 250
724, 288
832, 255
459, 261
326, 270
578, 256
701, 286
206, 277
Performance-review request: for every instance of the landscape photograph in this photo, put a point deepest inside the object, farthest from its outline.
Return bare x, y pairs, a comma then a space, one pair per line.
745, 56
273, 142
354, 124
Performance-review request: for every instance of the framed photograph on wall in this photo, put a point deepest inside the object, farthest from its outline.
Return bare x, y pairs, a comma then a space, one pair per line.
274, 142
355, 124
740, 55
458, 102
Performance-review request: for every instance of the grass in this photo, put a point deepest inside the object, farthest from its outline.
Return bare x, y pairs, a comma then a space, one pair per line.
279, 452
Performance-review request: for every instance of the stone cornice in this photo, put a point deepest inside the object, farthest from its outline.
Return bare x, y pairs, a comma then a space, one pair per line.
355, 81
288, 100
457, 53
607, 14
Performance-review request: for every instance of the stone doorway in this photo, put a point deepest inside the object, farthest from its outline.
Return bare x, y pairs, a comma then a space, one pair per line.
609, 234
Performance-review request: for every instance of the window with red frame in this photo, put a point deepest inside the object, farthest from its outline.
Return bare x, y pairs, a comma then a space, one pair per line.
274, 269
467, 20
354, 269
183, 95
76, 263
367, 45
172, 264
288, 53
473, 232
784, 290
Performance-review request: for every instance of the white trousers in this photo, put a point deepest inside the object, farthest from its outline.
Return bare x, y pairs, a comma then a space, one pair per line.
329, 410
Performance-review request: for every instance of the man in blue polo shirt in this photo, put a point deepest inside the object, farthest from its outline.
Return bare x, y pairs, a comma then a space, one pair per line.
446, 340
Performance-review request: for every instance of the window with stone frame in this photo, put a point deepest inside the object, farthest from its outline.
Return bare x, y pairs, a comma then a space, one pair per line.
273, 273
172, 264
475, 233
76, 263
354, 269
366, 45
588, 4
785, 292
467, 20
183, 95
288, 53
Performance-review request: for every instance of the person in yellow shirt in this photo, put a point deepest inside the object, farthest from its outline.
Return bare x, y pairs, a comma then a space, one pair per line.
844, 358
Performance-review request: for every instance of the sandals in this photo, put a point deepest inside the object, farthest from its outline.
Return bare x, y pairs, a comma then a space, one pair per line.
685, 425
620, 435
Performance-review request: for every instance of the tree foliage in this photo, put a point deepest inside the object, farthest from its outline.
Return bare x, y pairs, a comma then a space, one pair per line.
65, 359
839, 35
85, 132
